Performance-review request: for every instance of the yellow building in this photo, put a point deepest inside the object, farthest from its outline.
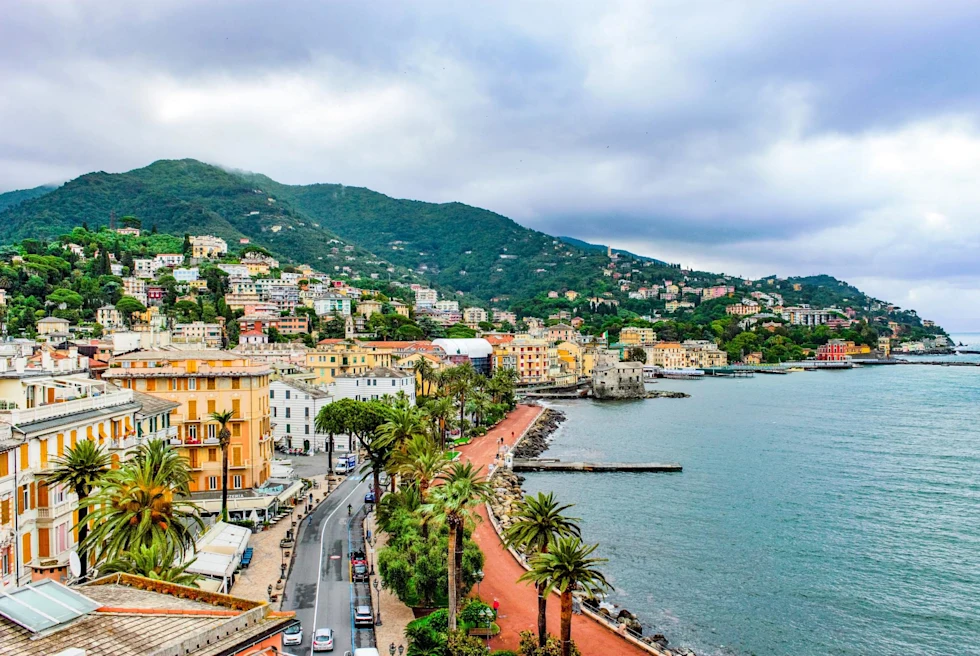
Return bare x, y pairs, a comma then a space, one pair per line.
527, 356
577, 358
634, 336
429, 387
368, 307
669, 355
203, 382
333, 357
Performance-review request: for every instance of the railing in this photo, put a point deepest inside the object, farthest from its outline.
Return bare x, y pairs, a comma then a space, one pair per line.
127, 442
57, 510
72, 407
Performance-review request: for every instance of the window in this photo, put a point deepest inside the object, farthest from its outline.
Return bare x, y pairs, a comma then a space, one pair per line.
237, 482
307, 412
274, 411
288, 413
212, 455
192, 432
236, 430
236, 383
212, 482
211, 383
212, 431
192, 383
287, 395
236, 408
272, 394
307, 427
287, 428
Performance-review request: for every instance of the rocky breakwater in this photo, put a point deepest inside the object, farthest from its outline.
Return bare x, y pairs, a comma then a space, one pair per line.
535, 441
666, 394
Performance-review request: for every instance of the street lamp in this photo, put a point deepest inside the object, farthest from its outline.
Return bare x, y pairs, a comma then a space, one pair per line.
391, 649
479, 579
401, 650
487, 614
377, 622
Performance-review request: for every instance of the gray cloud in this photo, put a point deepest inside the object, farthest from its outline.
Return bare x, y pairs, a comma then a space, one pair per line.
794, 137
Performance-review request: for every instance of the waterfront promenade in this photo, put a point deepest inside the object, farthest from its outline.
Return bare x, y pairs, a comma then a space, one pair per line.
518, 601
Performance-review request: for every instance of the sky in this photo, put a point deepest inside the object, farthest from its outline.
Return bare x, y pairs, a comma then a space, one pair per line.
749, 138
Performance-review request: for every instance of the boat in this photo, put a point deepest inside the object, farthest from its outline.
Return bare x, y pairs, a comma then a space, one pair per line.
796, 369
683, 374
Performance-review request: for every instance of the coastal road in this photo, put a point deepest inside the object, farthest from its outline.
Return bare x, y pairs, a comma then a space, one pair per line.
318, 588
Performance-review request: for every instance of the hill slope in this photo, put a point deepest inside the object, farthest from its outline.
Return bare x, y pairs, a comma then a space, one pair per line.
11, 198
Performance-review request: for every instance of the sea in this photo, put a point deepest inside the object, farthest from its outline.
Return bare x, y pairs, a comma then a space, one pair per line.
825, 512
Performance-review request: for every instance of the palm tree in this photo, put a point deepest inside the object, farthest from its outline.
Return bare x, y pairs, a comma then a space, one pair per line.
540, 520
441, 411
404, 424
424, 370
141, 505
163, 458
224, 439
462, 489
422, 461
81, 470
461, 382
154, 562
479, 405
566, 567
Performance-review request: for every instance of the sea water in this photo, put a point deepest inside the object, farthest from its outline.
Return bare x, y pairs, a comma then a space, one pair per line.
827, 512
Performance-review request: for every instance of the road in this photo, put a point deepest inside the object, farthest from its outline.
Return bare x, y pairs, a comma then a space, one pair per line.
318, 588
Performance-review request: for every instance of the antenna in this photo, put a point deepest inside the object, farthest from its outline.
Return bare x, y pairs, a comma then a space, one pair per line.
112, 219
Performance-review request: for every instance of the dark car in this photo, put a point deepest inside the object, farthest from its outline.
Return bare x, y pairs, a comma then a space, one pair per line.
369, 497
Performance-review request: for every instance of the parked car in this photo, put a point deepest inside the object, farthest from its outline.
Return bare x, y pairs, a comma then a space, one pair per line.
363, 616
358, 566
323, 640
293, 635
369, 497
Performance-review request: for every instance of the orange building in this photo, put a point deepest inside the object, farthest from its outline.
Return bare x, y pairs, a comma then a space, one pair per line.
203, 382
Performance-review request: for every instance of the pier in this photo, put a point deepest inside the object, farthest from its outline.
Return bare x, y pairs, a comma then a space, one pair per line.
555, 465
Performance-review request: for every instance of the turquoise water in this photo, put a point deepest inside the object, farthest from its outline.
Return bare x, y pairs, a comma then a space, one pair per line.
818, 513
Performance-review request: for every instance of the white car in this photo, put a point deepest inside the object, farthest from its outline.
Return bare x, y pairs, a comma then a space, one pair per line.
323, 640
293, 635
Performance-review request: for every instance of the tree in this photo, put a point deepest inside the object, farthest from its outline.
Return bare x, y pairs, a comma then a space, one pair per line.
636, 354
65, 297
565, 568
81, 470
154, 562
424, 370
462, 489
441, 411
142, 504
127, 306
420, 463
187, 248
539, 521
224, 439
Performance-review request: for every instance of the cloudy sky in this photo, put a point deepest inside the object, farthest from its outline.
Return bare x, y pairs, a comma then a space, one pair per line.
745, 137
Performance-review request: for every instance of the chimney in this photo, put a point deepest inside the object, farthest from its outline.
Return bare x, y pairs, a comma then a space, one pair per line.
20, 364
46, 361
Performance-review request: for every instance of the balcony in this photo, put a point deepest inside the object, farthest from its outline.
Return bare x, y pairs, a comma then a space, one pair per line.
212, 441
53, 512
72, 407
127, 442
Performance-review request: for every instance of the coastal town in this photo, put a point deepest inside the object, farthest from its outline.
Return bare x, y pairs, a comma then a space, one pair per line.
242, 367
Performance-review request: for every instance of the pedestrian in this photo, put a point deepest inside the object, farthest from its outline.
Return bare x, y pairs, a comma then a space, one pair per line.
496, 607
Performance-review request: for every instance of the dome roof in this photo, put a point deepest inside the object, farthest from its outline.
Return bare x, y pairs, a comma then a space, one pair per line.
473, 348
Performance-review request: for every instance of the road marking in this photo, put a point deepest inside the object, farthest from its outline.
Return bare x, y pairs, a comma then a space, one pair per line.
334, 557
319, 571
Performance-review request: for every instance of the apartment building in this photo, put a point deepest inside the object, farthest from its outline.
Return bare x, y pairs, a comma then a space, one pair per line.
474, 316
204, 246
374, 384
426, 298
198, 332
203, 382
108, 317
526, 355
294, 406
703, 353
335, 357
669, 355
634, 336
332, 303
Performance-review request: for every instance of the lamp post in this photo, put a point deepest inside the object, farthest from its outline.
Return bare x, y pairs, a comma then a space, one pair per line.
377, 622
479, 579
391, 649
487, 615
401, 650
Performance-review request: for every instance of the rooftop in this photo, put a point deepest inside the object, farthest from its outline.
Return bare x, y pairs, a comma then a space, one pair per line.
152, 405
378, 372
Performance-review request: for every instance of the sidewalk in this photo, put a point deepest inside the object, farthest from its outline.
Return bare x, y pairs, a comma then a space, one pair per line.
518, 601
395, 615
265, 570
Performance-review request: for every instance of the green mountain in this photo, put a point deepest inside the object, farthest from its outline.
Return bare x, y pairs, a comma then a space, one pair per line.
12, 198
585, 245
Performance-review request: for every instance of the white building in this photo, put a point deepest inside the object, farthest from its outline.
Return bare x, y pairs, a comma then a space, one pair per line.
446, 306
472, 316
253, 337
330, 304
294, 406
208, 246
170, 260
186, 275
143, 268
108, 317
209, 334
426, 298
374, 384
235, 269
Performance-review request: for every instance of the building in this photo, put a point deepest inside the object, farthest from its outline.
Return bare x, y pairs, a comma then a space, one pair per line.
332, 304
613, 379
203, 382
446, 306
805, 316
187, 275
703, 353
474, 316
368, 307
885, 346
235, 270
258, 264
399, 308
504, 316
635, 336
252, 337
674, 306
127, 615
108, 317
743, 309
429, 386
294, 406
285, 353
207, 246
526, 355
669, 355
335, 357
476, 351
208, 334
52, 326
579, 359
561, 332
833, 351
133, 232
168, 260
426, 298
374, 384
143, 268
291, 325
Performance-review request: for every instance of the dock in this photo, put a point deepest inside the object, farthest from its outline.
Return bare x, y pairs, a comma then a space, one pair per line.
555, 465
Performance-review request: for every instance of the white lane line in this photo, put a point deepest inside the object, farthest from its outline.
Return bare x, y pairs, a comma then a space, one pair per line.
319, 575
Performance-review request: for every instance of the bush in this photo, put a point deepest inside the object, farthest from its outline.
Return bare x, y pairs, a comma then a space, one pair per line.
503, 652
529, 646
471, 614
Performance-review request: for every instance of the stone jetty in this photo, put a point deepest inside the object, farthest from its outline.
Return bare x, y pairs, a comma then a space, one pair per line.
535, 441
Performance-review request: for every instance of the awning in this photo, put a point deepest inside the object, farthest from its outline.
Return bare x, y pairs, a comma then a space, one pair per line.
215, 565
290, 492
245, 504
224, 538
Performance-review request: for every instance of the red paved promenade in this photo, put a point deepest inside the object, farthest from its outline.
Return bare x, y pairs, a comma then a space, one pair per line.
518, 601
